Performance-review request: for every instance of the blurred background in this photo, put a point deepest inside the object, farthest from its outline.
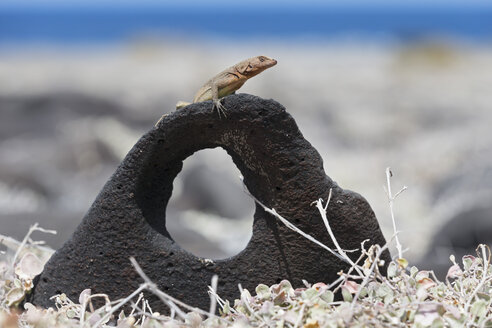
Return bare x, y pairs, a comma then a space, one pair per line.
370, 83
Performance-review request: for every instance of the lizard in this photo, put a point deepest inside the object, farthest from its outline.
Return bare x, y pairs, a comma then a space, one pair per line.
228, 81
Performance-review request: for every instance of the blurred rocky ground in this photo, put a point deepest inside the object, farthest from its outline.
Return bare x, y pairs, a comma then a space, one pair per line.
69, 116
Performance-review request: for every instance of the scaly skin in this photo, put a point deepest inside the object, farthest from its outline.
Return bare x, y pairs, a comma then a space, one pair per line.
229, 80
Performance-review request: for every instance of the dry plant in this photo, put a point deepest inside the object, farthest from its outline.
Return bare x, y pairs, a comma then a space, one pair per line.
391, 199
403, 297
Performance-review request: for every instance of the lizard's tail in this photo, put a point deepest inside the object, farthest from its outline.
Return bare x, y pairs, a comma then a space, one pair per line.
181, 104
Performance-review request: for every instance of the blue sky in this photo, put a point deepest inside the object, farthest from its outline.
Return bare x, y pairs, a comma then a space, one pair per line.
106, 21
253, 4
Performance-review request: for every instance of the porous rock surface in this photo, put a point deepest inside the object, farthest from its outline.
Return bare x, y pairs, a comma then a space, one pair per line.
280, 168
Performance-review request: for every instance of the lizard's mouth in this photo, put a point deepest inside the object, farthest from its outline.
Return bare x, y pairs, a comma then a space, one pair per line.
267, 62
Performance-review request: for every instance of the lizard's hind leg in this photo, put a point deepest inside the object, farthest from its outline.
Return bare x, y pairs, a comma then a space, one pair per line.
220, 108
215, 98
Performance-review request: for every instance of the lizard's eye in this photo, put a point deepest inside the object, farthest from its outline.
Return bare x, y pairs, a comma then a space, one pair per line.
262, 59
249, 66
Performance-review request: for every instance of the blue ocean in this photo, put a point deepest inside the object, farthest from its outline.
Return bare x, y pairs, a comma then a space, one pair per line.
111, 24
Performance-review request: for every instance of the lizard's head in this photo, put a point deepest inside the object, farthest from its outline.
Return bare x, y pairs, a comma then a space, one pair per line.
255, 65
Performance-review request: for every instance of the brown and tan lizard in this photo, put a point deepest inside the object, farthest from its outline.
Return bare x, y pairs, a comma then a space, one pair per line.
229, 80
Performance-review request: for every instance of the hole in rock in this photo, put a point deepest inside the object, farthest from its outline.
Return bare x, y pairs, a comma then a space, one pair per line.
209, 214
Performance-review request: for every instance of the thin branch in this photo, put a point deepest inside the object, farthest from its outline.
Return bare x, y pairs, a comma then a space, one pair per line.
34, 227
391, 199
343, 278
138, 300
213, 300
486, 262
117, 307
88, 300
246, 303
294, 228
168, 299
144, 310
220, 301
322, 211
368, 275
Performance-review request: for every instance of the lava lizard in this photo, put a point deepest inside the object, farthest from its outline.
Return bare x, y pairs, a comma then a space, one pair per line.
229, 80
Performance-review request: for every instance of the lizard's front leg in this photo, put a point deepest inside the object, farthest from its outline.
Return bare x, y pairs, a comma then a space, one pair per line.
215, 98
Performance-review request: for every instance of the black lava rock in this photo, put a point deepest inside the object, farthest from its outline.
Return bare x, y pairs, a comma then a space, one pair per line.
459, 236
280, 168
